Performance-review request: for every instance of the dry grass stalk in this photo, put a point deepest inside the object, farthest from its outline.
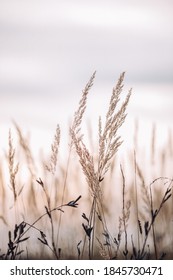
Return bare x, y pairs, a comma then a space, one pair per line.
108, 146
149, 225
48, 211
2, 191
94, 169
125, 213
136, 132
19, 233
109, 141
24, 144
145, 197
54, 149
74, 131
13, 169
103, 251
136, 200
117, 240
153, 144
87, 164
78, 115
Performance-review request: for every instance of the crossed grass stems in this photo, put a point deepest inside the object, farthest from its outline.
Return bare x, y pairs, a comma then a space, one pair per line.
94, 171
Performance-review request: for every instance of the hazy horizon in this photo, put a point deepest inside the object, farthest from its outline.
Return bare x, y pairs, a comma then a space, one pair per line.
49, 50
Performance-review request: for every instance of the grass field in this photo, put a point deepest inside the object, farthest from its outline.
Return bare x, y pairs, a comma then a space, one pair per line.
89, 203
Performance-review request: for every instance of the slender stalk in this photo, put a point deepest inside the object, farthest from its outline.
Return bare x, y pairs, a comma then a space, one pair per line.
124, 213
152, 225
155, 213
63, 194
136, 201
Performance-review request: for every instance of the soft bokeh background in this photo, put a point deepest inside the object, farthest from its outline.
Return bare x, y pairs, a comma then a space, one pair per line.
49, 49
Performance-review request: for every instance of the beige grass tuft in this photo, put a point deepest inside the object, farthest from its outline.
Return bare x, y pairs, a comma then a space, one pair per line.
54, 152
13, 168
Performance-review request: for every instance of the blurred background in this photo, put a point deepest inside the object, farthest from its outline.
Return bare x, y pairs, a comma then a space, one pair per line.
49, 50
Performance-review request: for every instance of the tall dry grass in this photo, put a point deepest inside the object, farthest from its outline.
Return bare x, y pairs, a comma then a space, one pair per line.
96, 205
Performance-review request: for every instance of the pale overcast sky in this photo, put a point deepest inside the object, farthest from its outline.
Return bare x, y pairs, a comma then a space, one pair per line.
50, 46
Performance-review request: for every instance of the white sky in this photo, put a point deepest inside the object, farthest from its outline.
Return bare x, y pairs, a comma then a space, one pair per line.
45, 43
50, 48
